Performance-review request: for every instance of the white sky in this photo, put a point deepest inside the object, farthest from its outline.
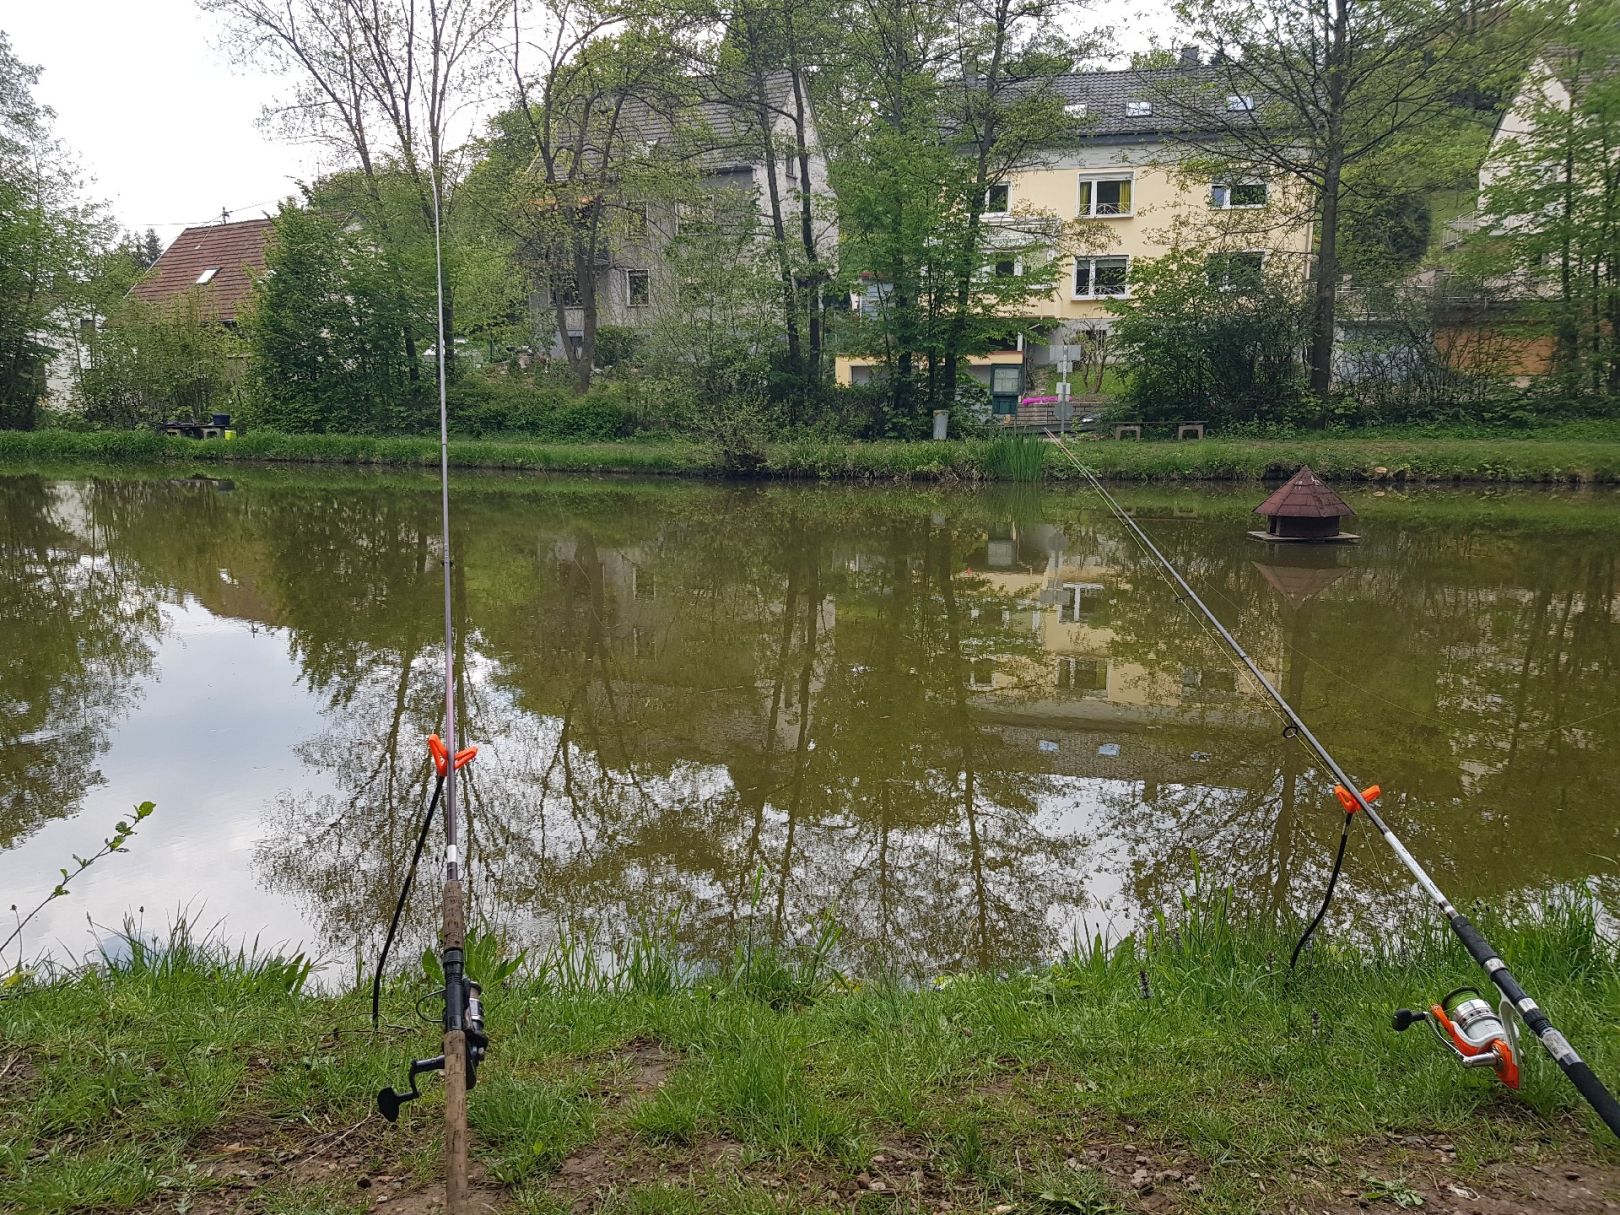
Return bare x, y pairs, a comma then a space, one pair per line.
157, 116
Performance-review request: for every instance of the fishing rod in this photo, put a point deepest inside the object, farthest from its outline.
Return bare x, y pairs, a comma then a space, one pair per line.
465, 1042
1468, 1027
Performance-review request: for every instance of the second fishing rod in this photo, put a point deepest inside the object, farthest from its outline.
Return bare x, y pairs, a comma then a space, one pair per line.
1356, 801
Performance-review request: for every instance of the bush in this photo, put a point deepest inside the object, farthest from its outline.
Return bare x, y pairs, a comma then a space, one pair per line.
1206, 339
494, 404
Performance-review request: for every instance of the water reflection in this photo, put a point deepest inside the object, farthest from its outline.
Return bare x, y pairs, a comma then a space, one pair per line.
961, 724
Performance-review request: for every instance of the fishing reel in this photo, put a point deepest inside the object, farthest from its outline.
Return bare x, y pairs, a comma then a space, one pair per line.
472, 1022
1477, 1034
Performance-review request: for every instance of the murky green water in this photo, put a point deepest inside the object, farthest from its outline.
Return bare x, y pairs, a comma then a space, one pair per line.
964, 724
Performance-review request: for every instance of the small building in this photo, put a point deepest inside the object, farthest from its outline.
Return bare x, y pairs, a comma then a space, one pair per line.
1304, 509
218, 261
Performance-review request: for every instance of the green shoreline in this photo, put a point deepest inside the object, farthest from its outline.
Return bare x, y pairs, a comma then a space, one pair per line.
1185, 1070
1393, 459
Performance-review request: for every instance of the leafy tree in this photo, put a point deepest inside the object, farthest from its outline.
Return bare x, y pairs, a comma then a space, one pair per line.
1335, 92
150, 249
943, 107
1550, 237
324, 333
1205, 334
156, 361
48, 235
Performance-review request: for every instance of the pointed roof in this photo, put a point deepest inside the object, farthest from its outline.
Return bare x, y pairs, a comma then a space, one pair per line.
1304, 496
1299, 584
235, 254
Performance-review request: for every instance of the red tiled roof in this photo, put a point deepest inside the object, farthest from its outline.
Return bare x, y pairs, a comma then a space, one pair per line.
236, 250
1304, 496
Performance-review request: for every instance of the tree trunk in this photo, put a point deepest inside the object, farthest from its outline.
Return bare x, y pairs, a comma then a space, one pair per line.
807, 228
779, 244
1324, 312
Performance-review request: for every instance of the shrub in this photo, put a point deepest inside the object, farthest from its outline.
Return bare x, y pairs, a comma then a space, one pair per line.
1203, 338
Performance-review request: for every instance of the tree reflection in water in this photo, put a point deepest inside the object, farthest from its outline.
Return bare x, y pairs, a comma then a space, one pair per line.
958, 723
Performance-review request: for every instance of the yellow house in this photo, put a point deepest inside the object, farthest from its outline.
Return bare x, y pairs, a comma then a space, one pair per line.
1120, 193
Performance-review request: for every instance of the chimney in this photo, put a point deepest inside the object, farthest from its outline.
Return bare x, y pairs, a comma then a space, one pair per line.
1189, 56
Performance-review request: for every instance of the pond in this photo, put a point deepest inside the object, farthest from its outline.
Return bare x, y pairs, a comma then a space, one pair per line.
964, 725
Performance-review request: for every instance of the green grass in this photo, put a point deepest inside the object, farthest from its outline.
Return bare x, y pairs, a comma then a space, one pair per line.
136, 1085
1573, 454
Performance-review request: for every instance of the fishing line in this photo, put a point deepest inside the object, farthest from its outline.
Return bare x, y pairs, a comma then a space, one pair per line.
1472, 1018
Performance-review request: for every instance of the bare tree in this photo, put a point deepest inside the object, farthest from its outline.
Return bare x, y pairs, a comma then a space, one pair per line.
606, 77
379, 82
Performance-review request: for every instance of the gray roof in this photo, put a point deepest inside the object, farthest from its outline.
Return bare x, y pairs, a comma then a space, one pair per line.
1105, 95
719, 133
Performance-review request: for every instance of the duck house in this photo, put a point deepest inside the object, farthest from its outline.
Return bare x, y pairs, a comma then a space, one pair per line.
1304, 511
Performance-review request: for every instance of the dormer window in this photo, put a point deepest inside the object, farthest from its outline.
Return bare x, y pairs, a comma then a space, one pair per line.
1138, 109
207, 276
1239, 103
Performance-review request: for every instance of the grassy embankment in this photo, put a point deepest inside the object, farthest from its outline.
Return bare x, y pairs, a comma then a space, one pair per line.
1186, 1071
1588, 455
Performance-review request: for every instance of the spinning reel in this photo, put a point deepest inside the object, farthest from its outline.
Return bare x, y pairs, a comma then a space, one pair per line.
472, 1020
1477, 1034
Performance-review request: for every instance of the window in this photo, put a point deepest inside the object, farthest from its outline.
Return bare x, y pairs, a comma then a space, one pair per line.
1007, 267
1105, 196
1082, 674
646, 586
1238, 103
207, 276
1138, 109
996, 199
1099, 276
1229, 195
1227, 271
635, 220
638, 288
982, 673
1075, 109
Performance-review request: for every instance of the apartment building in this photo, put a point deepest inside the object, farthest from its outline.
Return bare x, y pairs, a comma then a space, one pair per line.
1120, 192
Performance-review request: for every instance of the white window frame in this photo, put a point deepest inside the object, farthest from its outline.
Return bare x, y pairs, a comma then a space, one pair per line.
1094, 178
1227, 204
1239, 103
988, 212
1138, 107
1017, 267
1076, 109
629, 295
1094, 294
1227, 284
207, 276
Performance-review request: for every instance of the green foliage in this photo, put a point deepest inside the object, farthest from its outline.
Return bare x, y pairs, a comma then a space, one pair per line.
327, 335
1016, 458
116, 842
153, 362
1547, 249
49, 240
1200, 340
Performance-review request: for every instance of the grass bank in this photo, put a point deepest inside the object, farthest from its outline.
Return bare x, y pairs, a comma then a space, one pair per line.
1184, 1071
1565, 458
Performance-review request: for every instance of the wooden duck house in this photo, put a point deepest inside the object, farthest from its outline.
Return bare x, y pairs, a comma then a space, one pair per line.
1304, 510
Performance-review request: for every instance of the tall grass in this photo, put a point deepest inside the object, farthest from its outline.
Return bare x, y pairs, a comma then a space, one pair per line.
1016, 458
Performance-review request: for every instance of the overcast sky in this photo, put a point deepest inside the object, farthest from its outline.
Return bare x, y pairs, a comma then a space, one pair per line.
167, 127
156, 114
